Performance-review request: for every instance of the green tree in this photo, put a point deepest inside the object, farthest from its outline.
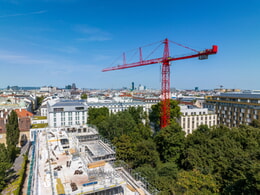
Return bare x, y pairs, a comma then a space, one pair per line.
12, 134
141, 132
4, 156
155, 114
84, 96
194, 182
97, 115
39, 100
229, 155
137, 114
116, 125
255, 123
124, 148
146, 153
170, 143
4, 165
12, 129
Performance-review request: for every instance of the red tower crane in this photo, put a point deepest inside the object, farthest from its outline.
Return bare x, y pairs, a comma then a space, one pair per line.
165, 60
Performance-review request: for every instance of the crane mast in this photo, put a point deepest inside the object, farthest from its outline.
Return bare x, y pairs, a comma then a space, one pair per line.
166, 89
165, 60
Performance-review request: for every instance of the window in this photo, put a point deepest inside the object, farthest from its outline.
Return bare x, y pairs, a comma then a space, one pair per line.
58, 109
79, 108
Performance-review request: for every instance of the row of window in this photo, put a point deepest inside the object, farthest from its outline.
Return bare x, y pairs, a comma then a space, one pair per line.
194, 113
209, 117
69, 123
69, 113
195, 125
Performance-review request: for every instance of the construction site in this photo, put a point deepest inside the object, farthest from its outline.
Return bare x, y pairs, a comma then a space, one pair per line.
76, 161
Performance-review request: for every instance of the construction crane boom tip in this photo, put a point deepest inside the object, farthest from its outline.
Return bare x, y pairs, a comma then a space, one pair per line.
215, 48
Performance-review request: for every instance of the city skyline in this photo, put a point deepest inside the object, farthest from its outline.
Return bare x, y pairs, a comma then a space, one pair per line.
60, 42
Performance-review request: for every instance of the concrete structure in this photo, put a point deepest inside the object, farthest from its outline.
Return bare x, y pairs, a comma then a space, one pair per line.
64, 162
234, 109
66, 113
193, 117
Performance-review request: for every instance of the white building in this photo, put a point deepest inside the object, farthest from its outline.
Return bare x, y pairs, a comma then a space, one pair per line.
193, 117
67, 113
115, 107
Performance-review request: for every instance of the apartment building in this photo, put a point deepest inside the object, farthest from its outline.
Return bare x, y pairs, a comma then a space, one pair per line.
66, 113
192, 117
234, 109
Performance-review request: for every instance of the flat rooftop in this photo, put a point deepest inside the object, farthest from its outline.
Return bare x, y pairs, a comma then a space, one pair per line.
97, 149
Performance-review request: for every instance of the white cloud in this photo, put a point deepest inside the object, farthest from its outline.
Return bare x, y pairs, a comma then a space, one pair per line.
23, 14
68, 49
95, 38
92, 34
20, 59
51, 64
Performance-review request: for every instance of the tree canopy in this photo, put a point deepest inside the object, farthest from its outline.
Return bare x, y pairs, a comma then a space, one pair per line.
12, 129
216, 160
155, 114
84, 96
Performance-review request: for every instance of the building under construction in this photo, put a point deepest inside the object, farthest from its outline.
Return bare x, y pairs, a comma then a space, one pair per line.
75, 161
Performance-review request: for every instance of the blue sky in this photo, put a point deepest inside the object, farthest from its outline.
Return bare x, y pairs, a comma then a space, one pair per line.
59, 42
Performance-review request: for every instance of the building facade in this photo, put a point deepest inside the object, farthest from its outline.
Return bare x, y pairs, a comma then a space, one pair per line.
67, 113
115, 107
193, 117
234, 109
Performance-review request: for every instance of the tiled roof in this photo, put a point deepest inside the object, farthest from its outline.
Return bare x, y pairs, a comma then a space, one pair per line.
23, 113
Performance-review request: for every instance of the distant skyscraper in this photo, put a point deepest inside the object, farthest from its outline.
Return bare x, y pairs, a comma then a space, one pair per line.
196, 88
68, 87
73, 86
133, 86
